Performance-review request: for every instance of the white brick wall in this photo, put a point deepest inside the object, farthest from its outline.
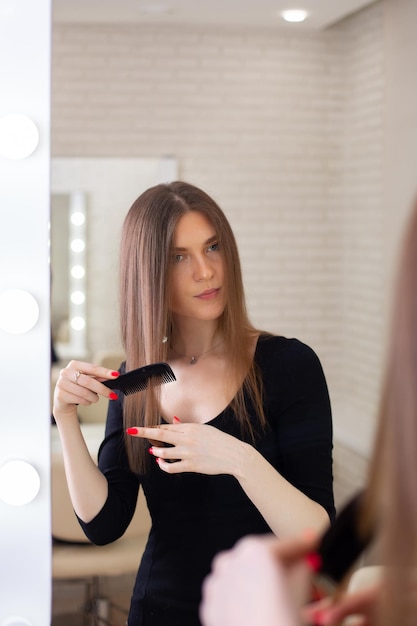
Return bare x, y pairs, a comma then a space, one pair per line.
285, 131
249, 117
362, 226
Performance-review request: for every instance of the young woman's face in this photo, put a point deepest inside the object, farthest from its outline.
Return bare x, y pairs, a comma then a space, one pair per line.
197, 289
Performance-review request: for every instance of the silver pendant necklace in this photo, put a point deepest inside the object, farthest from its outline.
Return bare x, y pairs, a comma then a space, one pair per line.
193, 360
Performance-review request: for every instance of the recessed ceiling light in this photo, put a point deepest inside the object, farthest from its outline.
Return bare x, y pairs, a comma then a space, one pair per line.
294, 15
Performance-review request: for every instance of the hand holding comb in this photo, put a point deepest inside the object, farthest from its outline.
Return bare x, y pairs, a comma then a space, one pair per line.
137, 380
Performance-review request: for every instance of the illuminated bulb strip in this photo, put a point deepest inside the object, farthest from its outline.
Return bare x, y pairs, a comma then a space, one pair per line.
77, 264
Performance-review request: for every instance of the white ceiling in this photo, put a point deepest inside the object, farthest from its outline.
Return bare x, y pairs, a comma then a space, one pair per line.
259, 13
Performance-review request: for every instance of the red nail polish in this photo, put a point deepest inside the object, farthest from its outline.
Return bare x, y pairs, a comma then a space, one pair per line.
113, 396
115, 374
150, 450
158, 460
132, 431
176, 419
314, 561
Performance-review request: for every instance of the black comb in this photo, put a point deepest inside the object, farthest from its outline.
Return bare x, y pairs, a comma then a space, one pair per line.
344, 542
137, 380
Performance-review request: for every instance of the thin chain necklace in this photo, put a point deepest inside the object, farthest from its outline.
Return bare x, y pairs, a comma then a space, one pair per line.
193, 359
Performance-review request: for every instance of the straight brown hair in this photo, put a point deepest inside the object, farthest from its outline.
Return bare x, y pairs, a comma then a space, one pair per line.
145, 267
392, 495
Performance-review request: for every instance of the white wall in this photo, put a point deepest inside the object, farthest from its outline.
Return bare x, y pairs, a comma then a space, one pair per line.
400, 170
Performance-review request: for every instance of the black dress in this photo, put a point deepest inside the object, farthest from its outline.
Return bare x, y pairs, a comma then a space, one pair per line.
194, 516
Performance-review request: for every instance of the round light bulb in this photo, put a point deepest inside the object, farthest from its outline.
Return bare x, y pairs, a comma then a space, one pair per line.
77, 271
19, 483
19, 311
77, 218
19, 136
77, 297
77, 245
78, 323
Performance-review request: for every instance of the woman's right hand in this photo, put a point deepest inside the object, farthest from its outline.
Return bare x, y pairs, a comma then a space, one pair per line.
81, 383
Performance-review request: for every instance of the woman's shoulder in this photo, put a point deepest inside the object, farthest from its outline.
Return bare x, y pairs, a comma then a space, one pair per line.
268, 342
278, 349
290, 369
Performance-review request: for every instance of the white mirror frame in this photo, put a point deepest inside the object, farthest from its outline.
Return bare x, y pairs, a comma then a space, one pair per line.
25, 540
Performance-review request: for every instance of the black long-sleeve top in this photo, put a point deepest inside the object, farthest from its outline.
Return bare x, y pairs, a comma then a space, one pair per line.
194, 516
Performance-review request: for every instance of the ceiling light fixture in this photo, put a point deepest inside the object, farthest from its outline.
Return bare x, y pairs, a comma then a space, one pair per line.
294, 15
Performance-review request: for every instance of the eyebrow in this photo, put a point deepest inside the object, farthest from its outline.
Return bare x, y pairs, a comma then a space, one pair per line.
205, 243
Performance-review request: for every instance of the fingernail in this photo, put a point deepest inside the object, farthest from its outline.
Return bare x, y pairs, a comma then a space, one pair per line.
115, 374
176, 419
150, 450
113, 396
314, 561
132, 431
158, 460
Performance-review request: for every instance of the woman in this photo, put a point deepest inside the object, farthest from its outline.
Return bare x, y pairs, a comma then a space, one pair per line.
249, 450
265, 568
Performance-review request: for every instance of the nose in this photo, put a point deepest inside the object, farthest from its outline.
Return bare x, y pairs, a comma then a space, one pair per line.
203, 269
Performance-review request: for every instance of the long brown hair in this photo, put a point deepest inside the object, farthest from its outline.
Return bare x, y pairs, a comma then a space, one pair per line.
145, 266
392, 495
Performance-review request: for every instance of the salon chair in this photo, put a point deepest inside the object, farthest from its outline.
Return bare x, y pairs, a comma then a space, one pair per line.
74, 558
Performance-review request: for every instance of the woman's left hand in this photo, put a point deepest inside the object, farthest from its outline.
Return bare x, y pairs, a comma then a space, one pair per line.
199, 448
204, 449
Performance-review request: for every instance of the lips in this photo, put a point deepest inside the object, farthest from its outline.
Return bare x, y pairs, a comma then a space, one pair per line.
208, 294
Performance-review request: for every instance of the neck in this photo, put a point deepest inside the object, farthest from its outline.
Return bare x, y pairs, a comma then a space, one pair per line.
190, 336
193, 343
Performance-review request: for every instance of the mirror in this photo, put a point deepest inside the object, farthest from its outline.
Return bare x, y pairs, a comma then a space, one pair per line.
290, 135
89, 200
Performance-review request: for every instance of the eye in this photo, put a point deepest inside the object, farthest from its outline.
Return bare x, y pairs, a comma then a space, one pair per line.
214, 247
177, 258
